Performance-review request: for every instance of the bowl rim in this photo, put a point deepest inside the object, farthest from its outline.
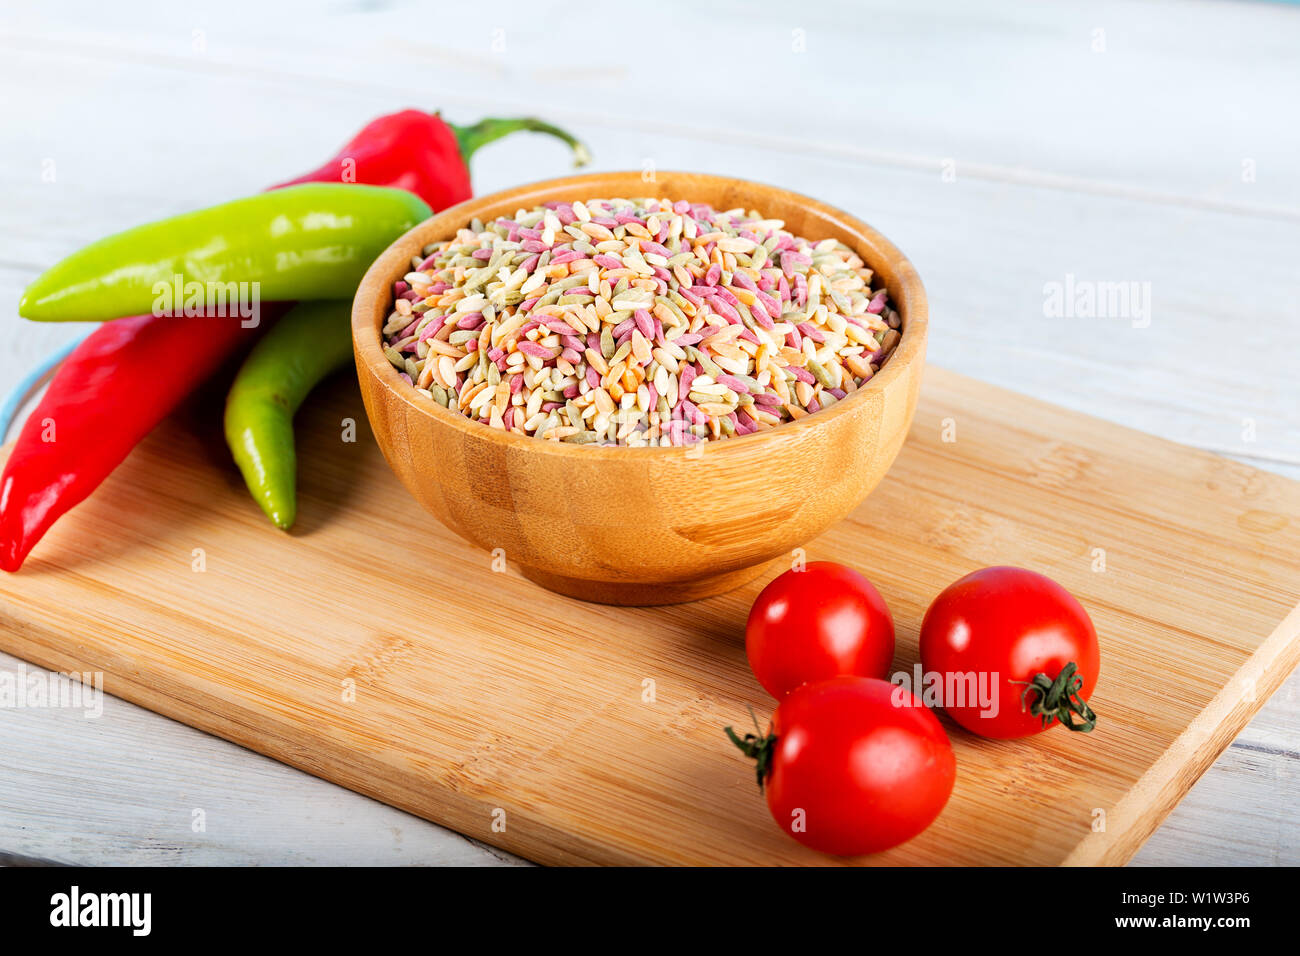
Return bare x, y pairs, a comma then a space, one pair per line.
367, 336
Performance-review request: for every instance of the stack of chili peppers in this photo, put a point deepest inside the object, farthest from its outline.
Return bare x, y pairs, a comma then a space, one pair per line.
130, 373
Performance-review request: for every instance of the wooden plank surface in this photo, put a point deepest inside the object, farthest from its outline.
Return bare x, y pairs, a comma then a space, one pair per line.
375, 649
1121, 163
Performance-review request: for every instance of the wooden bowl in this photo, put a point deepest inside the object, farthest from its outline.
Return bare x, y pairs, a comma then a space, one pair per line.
637, 526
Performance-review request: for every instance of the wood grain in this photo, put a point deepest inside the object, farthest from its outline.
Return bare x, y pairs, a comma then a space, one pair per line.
640, 526
478, 693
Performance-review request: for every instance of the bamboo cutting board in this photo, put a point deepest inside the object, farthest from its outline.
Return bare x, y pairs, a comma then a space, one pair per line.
373, 648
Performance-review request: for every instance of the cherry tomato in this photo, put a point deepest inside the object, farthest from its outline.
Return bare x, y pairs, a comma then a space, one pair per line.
1018, 640
824, 621
852, 765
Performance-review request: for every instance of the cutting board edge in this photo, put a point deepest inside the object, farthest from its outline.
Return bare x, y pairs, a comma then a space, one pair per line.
1195, 750
47, 653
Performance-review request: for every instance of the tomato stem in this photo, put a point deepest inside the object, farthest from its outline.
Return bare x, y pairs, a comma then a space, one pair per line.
757, 747
1058, 699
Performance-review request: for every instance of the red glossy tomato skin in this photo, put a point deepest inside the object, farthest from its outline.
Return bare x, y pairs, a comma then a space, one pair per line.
824, 621
1014, 623
860, 762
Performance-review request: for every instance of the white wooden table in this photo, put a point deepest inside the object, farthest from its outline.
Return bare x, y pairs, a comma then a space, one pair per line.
1002, 146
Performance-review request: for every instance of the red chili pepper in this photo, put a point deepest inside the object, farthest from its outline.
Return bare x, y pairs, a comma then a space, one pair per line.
130, 373
106, 396
421, 153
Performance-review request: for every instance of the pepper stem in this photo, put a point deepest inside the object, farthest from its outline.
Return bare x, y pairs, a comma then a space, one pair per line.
485, 131
757, 747
1058, 699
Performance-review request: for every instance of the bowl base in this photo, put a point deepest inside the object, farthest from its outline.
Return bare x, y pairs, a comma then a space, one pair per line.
635, 594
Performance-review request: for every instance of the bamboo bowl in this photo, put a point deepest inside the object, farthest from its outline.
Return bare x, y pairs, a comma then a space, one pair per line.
638, 526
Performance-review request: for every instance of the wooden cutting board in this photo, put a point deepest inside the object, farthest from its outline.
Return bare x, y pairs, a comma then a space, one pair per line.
373, 648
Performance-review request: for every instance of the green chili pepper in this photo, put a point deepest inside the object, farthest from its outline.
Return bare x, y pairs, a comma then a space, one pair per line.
311, 341
303, 242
